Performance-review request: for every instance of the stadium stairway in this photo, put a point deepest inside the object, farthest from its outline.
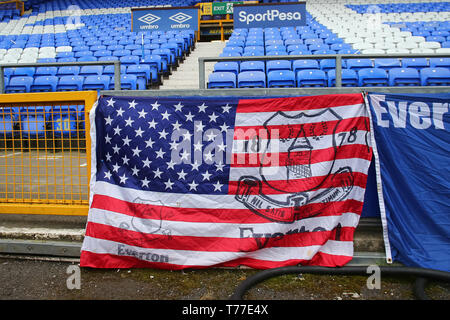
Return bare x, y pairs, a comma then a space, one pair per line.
186, 75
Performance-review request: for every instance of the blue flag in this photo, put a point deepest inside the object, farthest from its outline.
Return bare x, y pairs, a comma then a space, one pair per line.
412, 152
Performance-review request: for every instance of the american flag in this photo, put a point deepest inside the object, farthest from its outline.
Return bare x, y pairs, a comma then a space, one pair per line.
195, 182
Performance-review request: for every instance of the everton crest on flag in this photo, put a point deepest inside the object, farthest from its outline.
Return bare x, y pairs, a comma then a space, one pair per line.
197, 182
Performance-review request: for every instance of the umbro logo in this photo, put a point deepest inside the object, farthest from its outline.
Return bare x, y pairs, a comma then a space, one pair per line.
180, 17
149, 18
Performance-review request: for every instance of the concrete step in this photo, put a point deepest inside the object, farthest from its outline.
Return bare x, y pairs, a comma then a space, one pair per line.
186, 75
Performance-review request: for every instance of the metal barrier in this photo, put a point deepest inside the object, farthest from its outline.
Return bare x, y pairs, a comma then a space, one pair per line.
116, 64
337, 57
45, 152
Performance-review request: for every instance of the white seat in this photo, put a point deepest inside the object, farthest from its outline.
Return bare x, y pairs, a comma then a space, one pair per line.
30, 50
422, 50
416, 39
442, 50
362, 45
64, 49
47, 55
9, 59
15, 51
27, 60
373, 51
397, 50
430, 45
47, 49
407, 45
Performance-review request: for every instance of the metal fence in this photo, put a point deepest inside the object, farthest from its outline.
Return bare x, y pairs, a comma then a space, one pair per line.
45, 152
116, 64
337, 57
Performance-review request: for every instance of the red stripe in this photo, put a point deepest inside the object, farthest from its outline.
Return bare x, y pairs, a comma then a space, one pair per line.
281, 159
215, 244
301, 185
148, 211
298, 103
98, 260
308, 129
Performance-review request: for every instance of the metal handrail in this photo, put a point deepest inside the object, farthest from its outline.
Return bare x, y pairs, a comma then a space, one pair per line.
116, 64
337, 57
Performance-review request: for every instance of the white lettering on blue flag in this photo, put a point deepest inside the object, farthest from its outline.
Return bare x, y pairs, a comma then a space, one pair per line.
398, 114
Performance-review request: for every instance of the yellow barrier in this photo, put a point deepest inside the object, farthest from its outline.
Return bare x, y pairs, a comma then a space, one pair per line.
19, 5
45, 152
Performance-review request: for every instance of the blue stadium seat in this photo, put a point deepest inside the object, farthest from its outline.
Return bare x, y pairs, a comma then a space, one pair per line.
34, 120
298, 65
68, 70
273, 65
329, 64
96, 48
251, 79
80, 54
222, 80
109, 70
65, 54
96, 82
143, 74
165, 54
91, 70
70, 83
121, 53
281, 78
311, 78
19, 84
156, 65
9, 116
435, 77
174, 48
129, 60
107, 58
23, 72
387, 63
80, 48
294, 41
252, 66
404, 77
87, 58
46, 71
439, 62
44, 84
225, 66
296, 47
358, 64
276, 48
253, 52
417, 63
102, 53
64, 59
372, 77
127, 82
349, 78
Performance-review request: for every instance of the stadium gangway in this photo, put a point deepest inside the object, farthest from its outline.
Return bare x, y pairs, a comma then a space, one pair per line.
338, 58
116, 64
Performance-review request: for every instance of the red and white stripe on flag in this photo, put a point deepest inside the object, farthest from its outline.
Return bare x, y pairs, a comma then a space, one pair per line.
297, 177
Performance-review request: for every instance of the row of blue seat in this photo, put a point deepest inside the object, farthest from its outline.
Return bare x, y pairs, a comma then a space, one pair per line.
319, 78
327, 64
400, 7
23, 84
